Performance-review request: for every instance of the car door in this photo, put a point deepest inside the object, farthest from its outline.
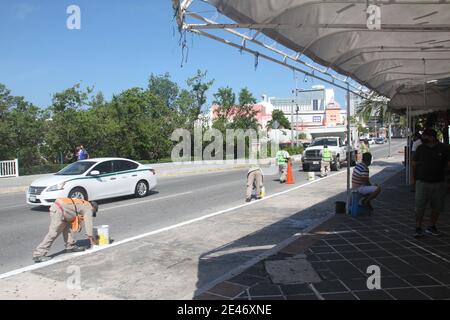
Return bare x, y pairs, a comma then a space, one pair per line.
126, 176
105, 184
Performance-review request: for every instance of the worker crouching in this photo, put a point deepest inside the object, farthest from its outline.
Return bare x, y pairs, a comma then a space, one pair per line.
255, 181
67, 216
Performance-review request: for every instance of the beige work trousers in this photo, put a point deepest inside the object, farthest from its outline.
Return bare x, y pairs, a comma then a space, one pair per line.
254, 180
324, 168
58, 225
282, 170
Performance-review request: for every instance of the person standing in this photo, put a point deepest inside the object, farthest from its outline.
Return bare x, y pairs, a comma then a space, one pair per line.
282, 161
417, 141
365, 148
327, 156
63, 212
429, 166
83, 154
255, 181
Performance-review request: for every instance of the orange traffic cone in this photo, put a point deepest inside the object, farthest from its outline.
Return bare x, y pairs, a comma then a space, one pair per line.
290, 175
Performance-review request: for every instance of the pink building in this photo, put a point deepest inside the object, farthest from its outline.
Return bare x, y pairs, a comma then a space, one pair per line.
263, 113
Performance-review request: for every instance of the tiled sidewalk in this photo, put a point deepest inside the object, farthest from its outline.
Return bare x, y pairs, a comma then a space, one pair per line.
341, 250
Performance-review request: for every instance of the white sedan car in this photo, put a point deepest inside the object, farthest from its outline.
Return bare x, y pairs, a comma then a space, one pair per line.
93, 179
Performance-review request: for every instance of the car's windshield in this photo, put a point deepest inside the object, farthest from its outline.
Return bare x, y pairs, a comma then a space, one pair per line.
76, 168
322, 142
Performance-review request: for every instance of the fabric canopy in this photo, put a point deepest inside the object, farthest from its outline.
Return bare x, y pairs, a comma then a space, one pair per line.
411, 48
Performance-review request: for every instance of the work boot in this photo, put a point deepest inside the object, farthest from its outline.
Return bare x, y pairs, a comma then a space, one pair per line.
419, 233
432, 230
76, 249
41, 259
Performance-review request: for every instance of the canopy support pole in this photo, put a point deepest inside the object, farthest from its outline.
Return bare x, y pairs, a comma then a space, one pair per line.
389, 138
348, 148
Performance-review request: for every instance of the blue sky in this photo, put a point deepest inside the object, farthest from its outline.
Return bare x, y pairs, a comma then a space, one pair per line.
119, 45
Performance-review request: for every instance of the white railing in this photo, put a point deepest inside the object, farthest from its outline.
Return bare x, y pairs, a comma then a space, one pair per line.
9, 168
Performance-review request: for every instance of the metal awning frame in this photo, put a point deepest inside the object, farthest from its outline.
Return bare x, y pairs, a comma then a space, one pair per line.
263, 50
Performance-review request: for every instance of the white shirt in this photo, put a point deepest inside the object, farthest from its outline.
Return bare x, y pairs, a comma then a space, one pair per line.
416, 144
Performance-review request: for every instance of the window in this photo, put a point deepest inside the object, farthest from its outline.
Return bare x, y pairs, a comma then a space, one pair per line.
317, 119
76, 168
124, 165
324, 141
315, 105
104, 167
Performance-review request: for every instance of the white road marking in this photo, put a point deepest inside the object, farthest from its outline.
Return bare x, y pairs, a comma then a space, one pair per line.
18, 206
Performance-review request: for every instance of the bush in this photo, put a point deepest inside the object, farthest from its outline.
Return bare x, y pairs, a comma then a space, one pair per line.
293, 150
41, 169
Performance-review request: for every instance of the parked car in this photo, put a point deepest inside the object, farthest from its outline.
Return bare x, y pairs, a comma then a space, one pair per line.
380, 140
371, 141
93, 179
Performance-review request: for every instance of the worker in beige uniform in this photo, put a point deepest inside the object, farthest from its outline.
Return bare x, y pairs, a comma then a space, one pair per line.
65, 215
254, 181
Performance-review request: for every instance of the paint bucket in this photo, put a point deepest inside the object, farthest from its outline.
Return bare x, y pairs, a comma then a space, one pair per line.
102, 235
311, 176
340, 207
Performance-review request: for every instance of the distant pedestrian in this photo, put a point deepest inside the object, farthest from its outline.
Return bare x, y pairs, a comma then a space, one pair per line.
365, 147
282, 161
63, 213
83, 154
325, 164
429, 167
361, 181
255, 180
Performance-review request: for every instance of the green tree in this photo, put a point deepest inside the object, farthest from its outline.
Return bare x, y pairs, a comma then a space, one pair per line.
164, 88
199, 87
69, 125
280, 118
22, 129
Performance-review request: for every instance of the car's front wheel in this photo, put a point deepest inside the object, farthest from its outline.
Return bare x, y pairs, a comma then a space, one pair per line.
78, 193
141, 189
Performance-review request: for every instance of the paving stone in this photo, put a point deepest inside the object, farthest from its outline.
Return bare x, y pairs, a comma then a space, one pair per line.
245, 279
333, 286
438, 293
302, 297
209, 296
227, 289
372, 295
294, 289
339, 296
407, 294
291, 271
393, 282
264, 289
420, 280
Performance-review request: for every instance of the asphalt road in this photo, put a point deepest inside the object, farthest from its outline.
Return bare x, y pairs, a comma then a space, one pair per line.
174, 200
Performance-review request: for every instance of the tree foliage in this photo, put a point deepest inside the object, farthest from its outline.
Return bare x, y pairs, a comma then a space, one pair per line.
136, 123
281, 120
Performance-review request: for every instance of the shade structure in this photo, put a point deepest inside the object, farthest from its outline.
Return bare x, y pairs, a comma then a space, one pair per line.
409, 48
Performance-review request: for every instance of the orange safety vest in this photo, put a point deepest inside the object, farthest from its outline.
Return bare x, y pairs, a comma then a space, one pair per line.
76, 223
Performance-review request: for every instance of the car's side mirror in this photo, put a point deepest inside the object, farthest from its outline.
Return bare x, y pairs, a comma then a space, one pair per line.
95, 173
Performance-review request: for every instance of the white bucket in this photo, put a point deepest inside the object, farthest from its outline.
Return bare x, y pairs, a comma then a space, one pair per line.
102, 235
311, 176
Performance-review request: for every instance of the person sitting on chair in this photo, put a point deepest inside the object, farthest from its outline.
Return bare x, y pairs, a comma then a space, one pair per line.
361, 182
